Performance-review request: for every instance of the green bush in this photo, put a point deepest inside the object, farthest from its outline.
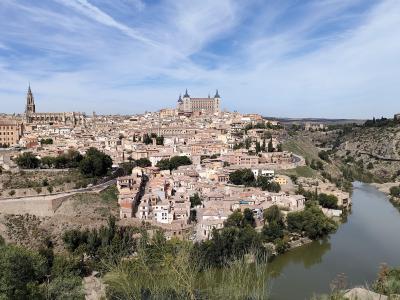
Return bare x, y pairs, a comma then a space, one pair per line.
388, 282
324, 155
143, 162
27, 161
395, 191
328, 201
95, 163
242, 177
273, 231
174, 163
21, 273
311, 221
195, 200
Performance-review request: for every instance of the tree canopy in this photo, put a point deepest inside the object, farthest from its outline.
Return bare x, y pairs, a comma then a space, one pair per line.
27, 161
95, 163
328, 201
311, 221
242, 177
174, 162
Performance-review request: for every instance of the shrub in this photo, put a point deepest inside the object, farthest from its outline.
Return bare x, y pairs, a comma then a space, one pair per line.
281, 246
324, 155
395, 191
95, 163
242, 177
143, 162
21, 272
328, 201
311, 221
27, 161
174, 163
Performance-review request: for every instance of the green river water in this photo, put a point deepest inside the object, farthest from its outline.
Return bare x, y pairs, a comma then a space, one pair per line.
369, 237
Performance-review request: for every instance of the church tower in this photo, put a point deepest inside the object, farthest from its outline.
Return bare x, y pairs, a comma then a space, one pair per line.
30, 102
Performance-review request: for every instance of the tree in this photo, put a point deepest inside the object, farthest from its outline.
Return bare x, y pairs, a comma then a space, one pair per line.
177, 161
258, 147
193, 216
273, 214
163, 164
395, 191
248, 218
143, 162
67, 287
95, 163
28, 161
281, 246
48, 141
47, 161
324, 155
266, 184
311, 221
293, 178
247, 143
328, 201
242, 177
280, 148
173, 163
147, 139
270, 146
273, 231
316, 164
263, 146
226, 244
235, 219
195, 200
21, 273
160, 140
127, 167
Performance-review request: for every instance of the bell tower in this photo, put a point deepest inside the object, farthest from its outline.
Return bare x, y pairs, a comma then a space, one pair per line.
30, 102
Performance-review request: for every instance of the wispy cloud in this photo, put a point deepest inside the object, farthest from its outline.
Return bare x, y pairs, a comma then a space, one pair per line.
96, 14
331, 58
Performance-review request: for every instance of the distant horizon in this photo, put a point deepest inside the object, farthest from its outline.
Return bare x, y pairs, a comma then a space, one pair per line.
323, 58
174, 106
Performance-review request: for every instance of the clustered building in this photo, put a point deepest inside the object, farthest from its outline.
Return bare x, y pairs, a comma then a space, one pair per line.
217, 143
63, 118
10, 132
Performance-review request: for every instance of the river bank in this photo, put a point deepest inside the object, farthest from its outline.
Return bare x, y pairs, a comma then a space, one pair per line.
385, 187
355, 252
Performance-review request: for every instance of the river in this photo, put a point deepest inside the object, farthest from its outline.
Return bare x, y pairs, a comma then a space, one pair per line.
369, 237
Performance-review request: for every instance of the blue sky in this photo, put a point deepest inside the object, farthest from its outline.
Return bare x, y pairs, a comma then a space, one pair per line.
284, 58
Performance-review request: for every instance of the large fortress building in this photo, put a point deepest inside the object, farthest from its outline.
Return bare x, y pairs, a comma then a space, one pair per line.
187, 104
63, 118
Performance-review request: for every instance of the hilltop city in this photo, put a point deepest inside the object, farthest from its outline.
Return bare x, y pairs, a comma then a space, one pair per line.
225, 184
183, 162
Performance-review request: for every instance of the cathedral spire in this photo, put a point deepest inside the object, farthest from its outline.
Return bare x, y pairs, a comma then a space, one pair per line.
30, 101
217, 95
186, 94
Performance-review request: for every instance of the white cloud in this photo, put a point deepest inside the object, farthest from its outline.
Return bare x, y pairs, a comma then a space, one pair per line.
91, 59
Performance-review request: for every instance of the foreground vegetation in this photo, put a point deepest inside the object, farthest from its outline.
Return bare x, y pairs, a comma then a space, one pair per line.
137, 265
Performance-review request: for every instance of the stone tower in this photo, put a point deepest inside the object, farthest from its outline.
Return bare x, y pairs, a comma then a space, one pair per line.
30, 102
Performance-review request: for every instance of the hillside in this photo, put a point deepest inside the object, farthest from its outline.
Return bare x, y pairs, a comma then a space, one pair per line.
85, 210
374, 150
368, 152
